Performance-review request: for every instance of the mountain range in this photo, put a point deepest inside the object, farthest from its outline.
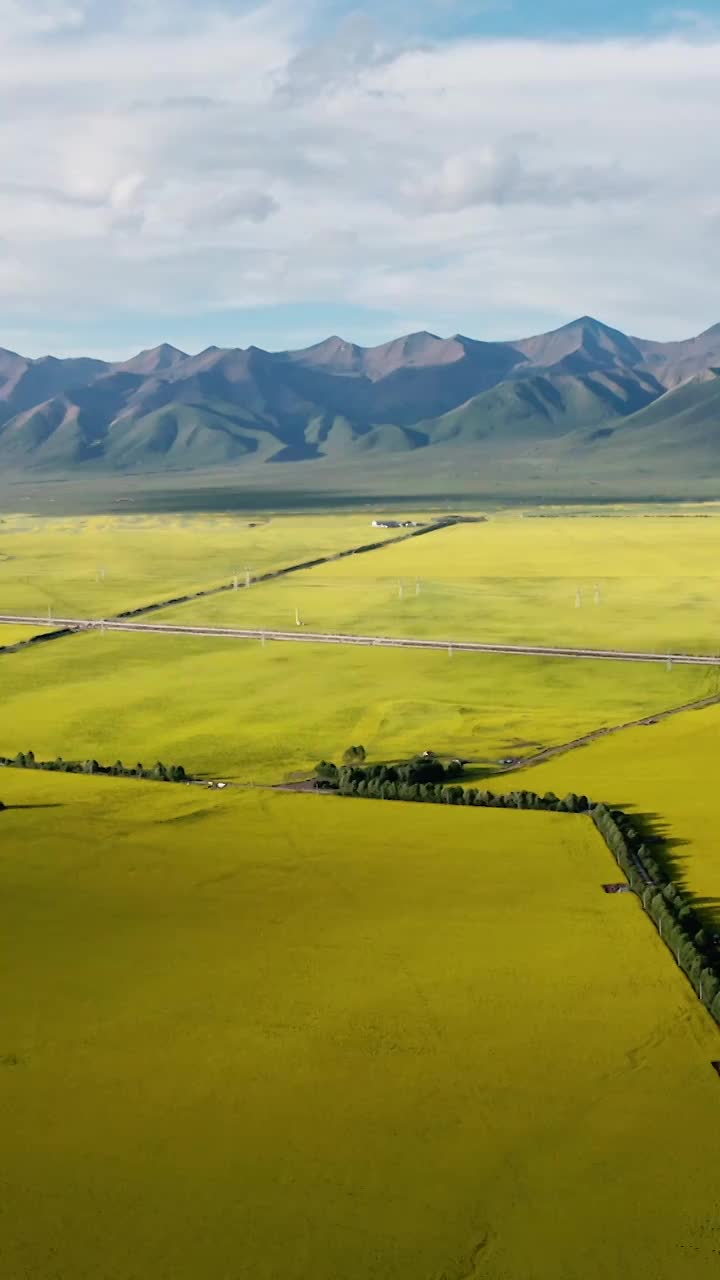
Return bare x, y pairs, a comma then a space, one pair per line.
584, 394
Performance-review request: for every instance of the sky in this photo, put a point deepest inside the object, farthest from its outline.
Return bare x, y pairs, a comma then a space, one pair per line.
222, 172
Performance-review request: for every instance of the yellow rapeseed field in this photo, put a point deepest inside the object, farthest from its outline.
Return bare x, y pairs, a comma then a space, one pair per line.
10, 635
238, 709
667, 772
625, 580
97, 566
253, 1036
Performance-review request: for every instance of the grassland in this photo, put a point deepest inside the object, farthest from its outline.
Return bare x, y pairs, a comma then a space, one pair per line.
634, 581
446, 479
98, 566
238, 1043
240, 710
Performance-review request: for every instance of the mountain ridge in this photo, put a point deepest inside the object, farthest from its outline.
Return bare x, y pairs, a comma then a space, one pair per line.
577, 392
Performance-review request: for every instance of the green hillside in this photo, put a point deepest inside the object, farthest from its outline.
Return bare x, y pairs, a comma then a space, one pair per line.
539, 408
678, 433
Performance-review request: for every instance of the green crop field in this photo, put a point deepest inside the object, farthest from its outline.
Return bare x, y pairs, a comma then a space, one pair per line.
258, 1036
630, 581
97, 566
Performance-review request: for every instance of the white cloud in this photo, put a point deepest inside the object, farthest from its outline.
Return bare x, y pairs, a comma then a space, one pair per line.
696, 22
339, 59
195, 158
509, 175
27, 18
230, 207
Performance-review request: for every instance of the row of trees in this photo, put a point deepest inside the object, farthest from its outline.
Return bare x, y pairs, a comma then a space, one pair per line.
439, 793
674, 916
423, 770
159, 773
424, 781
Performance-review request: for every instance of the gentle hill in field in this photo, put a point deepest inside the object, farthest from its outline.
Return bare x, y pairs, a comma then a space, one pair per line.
584, 395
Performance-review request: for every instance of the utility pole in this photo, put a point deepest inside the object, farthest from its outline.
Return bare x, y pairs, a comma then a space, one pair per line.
597, 595
578, 598
401, 591
247, 577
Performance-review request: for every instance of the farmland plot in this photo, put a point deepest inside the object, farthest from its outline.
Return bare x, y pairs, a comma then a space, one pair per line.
258, 1035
